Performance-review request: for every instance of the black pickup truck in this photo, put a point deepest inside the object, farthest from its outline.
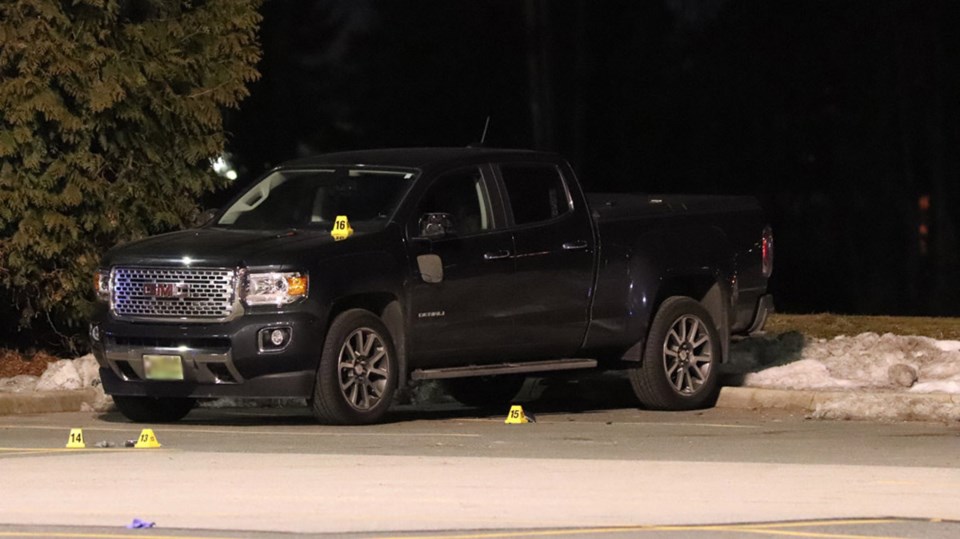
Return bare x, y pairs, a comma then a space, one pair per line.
343, 277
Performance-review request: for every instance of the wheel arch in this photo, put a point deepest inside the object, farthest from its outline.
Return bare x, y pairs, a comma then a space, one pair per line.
389, 309
708, 290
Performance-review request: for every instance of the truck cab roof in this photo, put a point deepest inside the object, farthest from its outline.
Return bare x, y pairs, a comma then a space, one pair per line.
419, 158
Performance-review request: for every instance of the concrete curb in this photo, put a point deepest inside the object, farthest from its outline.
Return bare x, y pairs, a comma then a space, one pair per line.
46, 401
830, 404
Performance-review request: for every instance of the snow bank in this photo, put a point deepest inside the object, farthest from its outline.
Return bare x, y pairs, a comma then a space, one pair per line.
80, 373
865, 361
23, 383
60, 376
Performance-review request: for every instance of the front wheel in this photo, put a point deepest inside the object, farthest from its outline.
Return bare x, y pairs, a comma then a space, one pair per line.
681, 359
153, 410
358, 371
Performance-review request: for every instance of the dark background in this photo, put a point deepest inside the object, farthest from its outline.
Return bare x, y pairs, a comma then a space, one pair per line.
841, 116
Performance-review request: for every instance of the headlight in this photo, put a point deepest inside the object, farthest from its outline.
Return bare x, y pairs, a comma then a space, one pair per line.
101, 284
274, 288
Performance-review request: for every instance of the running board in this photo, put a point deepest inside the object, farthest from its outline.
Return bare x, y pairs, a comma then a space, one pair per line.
503, 368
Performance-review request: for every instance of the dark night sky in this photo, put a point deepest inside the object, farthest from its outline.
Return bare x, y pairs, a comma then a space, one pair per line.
839, 116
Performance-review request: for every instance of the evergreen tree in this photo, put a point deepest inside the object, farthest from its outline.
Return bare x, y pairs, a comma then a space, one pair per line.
110, 111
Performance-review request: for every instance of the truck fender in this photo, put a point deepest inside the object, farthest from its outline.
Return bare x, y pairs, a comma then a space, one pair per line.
714, 300
392, 316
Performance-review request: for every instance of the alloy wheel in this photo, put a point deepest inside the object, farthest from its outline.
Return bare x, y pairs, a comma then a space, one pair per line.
687, 358
363, 369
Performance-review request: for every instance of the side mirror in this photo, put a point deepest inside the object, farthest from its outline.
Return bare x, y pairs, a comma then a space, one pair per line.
437, 225
204, 218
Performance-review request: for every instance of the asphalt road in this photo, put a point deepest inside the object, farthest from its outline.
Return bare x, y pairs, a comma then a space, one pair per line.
446, 471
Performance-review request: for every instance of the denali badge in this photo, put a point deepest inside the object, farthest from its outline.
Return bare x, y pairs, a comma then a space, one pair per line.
166, 290
432, 314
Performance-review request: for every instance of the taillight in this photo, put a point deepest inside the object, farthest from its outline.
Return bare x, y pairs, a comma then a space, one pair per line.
766, 251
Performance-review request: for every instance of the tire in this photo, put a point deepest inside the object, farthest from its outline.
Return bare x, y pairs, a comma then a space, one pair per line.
482, 391
681, 360
153, 410
357, 375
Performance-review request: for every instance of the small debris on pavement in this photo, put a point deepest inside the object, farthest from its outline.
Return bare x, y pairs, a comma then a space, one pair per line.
137, 523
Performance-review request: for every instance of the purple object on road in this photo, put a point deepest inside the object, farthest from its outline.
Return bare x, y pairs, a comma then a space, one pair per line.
137, 523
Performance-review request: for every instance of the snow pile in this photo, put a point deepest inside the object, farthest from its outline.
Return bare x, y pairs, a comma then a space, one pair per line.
60, 375
23, 383
866, 361
870, 376
80, 373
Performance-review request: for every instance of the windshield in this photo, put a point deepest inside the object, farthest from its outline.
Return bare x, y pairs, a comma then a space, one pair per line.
314, 199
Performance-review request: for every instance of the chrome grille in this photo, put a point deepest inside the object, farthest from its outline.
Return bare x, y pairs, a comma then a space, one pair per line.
176, 294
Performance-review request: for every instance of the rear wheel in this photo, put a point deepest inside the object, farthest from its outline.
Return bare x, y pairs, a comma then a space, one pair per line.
483, 391
153, 410
358, 373
681, 360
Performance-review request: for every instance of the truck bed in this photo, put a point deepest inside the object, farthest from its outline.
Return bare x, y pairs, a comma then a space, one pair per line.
610, 207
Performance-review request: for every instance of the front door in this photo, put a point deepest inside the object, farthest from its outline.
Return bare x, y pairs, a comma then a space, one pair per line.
464, 317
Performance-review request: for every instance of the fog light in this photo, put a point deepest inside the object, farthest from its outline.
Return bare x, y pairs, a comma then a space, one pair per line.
274, 339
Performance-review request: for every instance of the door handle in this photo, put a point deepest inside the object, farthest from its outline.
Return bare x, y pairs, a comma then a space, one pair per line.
574, 245
497, 255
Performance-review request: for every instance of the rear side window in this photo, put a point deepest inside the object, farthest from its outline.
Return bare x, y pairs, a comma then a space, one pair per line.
536, 192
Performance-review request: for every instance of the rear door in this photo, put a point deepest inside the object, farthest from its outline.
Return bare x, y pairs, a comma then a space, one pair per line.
554, 254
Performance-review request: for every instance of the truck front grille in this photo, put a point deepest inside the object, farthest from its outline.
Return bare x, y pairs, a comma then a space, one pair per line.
176, 294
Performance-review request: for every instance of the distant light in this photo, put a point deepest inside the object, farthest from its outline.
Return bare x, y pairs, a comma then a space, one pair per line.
186, 260
223, 167
220, 165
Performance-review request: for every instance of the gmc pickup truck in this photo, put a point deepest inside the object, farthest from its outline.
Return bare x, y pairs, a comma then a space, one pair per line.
343, 277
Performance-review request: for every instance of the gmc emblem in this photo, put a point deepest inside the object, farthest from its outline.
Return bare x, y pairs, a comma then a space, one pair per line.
166, 290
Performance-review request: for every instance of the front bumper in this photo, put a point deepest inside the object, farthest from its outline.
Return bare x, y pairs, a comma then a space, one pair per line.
219, 360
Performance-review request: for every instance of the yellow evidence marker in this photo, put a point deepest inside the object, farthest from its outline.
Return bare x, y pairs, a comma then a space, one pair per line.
516, 416
147, 440
341, 228
75, 441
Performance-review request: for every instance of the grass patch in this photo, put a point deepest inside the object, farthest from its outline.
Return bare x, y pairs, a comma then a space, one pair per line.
13, 363
827, 326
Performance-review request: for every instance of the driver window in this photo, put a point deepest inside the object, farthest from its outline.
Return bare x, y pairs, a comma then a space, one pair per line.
463, 195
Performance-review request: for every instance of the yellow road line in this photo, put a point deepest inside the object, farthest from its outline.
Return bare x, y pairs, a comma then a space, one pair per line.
756, 529
812, 523
35, 451
266, 432
548, 533
786, 533
775, 529
73, 535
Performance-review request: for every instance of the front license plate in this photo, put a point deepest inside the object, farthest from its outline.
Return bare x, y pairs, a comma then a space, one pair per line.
157, 367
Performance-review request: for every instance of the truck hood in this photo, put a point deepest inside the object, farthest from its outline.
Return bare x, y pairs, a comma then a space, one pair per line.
214, 247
